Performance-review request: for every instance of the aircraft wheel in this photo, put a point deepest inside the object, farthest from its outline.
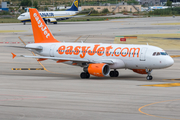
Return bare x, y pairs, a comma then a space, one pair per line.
116, 73
111, 74
24, 23
87, 75
149, 77
55, 22
84, 75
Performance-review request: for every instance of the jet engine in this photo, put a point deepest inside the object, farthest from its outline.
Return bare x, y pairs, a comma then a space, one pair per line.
52, 20
140, 71
98, 69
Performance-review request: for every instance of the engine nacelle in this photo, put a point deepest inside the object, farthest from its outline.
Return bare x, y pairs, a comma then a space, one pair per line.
52, 20
140, 71
99, 69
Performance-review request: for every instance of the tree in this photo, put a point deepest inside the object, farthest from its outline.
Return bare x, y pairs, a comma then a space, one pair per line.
26, 3
169, 3
132, 2
105, 10
35, 4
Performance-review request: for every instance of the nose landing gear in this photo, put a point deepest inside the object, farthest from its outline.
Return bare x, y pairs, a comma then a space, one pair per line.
149, 77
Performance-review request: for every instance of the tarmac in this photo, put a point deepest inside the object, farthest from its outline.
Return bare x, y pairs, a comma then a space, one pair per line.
54, 91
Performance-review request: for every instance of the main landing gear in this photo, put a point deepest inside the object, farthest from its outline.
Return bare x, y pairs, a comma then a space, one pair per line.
149, 77
114, 73
84, 75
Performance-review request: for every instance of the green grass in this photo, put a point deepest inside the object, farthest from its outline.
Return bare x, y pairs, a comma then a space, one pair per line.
92, 19
9, 20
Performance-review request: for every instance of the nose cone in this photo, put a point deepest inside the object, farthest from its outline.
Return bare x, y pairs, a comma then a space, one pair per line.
19, 18
169, 61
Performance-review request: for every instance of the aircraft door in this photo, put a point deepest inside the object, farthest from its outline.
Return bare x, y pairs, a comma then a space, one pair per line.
52, 50
143, 54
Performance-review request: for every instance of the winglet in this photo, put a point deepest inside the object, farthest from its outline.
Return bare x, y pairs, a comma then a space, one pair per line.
13, 55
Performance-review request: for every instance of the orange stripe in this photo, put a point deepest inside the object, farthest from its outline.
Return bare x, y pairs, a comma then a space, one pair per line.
41, 59
59, 61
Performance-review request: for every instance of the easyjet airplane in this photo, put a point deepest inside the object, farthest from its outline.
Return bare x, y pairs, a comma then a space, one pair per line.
53, 16
95, 58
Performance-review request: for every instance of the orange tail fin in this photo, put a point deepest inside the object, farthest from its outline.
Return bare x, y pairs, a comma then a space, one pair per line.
41, 32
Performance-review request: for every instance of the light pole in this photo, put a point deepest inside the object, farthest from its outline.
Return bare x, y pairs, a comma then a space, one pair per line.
32, 3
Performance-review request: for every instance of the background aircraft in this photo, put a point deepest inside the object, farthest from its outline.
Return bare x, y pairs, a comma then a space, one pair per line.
95, 58
53, 16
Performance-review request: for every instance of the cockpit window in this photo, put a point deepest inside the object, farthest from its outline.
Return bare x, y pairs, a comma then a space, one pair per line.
22, 15
163, 53
154, 53
159, 53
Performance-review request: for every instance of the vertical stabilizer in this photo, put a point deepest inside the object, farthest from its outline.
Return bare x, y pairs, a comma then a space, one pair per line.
41, 32
74, 6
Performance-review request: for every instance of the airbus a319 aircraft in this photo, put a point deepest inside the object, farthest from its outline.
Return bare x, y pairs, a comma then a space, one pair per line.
95, 58
53, 16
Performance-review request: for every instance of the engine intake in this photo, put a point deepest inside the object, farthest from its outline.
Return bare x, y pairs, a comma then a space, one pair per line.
99, 70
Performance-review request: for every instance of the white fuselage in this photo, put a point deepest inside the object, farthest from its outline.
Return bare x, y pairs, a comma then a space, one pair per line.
49, 14
123, 55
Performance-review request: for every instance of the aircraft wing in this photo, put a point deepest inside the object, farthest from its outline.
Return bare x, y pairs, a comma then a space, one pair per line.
69, 59
83, 15
73, 16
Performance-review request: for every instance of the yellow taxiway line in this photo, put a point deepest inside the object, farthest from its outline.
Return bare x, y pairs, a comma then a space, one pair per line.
27, 68
156, 115
11, 31
164, 85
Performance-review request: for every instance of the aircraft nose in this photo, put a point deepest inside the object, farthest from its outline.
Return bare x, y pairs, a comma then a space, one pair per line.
169, 61
18, 18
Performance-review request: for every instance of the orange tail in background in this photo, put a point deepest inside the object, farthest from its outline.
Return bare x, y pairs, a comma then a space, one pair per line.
41, 32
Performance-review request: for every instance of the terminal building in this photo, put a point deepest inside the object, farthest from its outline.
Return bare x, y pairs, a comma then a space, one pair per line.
3, 6
121, 7
150, 2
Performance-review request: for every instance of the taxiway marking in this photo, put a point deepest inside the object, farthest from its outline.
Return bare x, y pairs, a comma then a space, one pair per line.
9, 31
164, 85
77, 38
156, 115
27, 68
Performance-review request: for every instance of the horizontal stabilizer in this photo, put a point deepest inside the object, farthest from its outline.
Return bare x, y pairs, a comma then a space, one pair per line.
13, 55
35, 48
